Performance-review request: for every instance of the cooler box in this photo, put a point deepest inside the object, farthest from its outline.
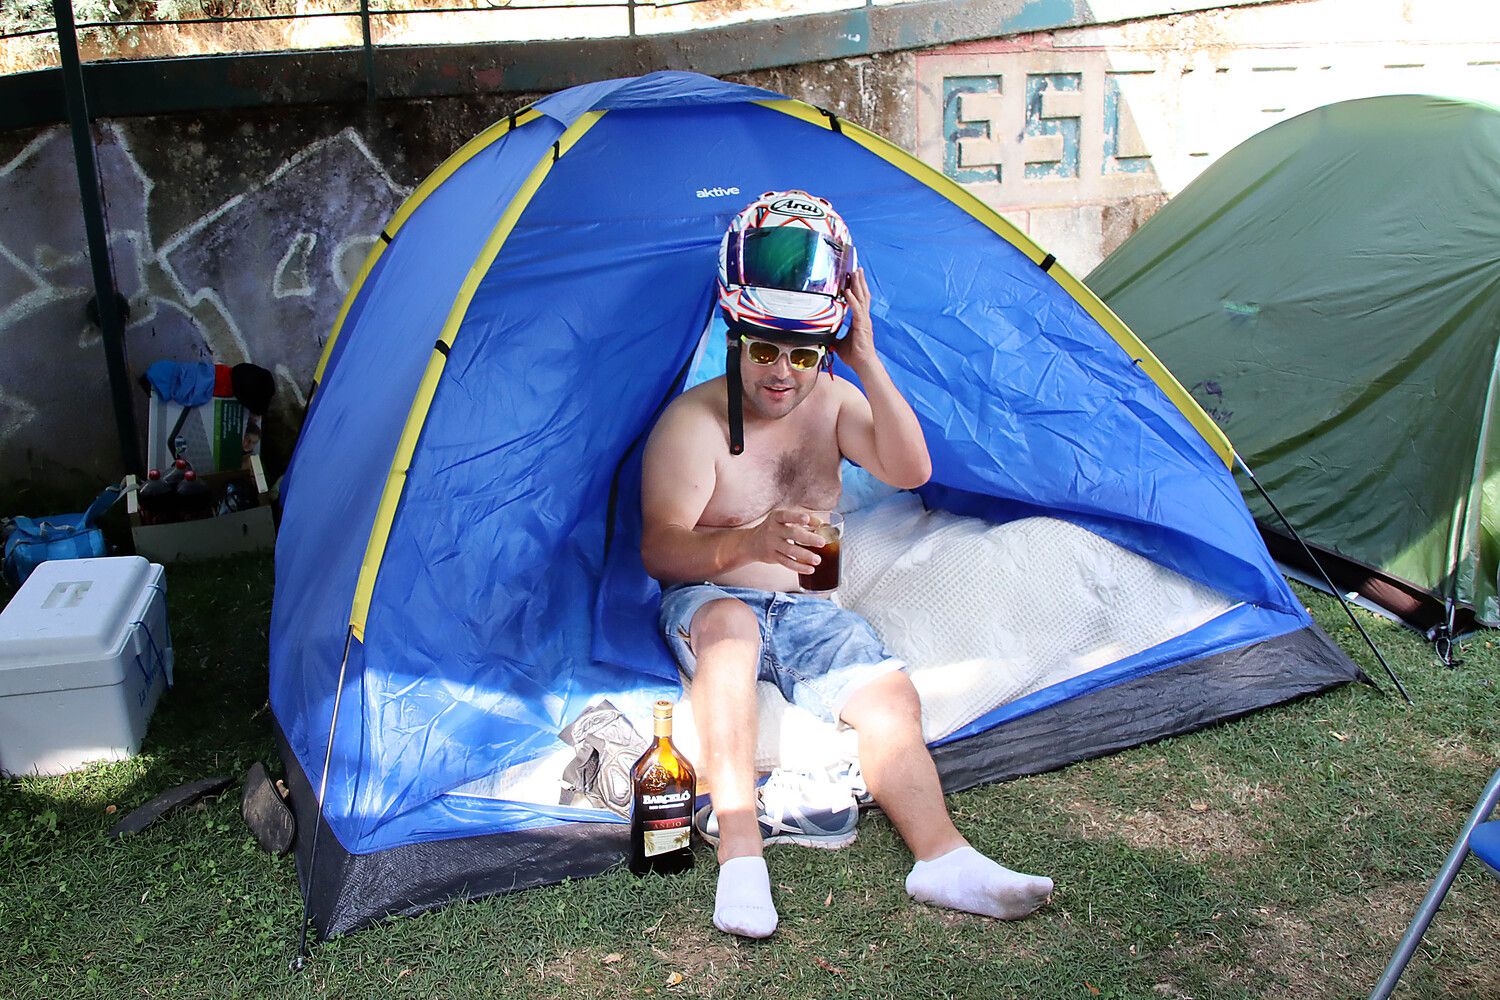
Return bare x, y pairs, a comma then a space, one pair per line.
84, 655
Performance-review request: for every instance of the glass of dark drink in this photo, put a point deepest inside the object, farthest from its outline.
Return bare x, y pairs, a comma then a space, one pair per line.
825, 575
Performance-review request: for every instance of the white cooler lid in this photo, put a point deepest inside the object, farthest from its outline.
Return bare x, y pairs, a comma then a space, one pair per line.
71, 612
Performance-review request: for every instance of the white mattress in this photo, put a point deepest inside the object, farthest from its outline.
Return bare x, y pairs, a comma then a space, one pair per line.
983, 614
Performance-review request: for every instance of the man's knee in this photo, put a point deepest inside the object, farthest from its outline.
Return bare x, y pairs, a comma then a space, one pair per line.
886, 703
724, 619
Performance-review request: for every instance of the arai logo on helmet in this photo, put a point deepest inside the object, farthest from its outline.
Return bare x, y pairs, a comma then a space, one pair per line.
717, 192
804, 208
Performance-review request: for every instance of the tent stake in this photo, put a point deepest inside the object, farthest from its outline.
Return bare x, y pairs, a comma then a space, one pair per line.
1336, 592
1445, 643
300, 959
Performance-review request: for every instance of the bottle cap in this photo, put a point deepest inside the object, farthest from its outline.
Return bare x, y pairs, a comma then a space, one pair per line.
661, 710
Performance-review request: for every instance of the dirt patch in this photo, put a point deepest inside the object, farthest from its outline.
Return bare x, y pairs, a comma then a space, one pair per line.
1193, 830
696, 963
1461, 947
1304, 960
1246, 796
1285, 956
1000, 946
1340, 948
704, 956
1457, 753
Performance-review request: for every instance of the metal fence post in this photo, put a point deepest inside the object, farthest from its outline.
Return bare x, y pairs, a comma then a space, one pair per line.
110, 319
364, 24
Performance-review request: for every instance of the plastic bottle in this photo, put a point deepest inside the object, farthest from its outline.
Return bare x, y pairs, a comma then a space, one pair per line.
194, 497
158, 500
174, 475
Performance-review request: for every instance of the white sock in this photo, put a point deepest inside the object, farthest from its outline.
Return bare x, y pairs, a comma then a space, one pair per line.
964, 879
742, 904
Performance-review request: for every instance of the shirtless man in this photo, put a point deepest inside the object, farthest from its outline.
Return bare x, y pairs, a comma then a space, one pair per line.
728, 535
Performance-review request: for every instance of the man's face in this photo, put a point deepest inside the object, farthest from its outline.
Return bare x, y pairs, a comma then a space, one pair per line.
772, 391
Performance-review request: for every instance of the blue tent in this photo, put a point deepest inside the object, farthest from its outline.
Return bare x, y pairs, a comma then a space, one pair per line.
458, 573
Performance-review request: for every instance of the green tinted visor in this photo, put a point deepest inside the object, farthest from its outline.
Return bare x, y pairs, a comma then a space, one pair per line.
790, 258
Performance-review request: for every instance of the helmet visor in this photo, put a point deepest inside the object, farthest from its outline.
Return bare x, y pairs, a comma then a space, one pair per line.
791, 259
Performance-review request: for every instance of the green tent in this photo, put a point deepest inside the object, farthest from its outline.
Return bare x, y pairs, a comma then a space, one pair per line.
1329, 291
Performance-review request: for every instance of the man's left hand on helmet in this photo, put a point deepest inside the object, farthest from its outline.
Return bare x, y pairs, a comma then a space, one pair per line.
857, 348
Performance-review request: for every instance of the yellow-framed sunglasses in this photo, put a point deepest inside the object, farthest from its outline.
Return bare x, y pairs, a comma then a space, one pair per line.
803, 359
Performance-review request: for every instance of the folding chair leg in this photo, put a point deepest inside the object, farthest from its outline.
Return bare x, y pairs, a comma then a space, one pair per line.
1434, 897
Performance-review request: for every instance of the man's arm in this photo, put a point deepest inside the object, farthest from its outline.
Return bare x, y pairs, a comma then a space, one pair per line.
677, 482
877, 429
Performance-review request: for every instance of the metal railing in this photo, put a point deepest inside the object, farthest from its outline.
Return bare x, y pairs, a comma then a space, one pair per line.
366, 11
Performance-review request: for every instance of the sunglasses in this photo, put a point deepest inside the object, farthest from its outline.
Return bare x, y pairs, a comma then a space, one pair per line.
766, 353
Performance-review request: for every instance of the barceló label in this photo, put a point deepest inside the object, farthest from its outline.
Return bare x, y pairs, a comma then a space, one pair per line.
672, 798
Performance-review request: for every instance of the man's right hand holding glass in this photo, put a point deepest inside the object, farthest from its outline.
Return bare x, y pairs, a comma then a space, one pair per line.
784, 538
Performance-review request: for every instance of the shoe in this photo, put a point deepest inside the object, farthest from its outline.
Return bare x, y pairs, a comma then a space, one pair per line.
795, 808
270, 819
851, 777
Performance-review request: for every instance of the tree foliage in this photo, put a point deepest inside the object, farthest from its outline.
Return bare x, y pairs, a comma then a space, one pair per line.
27, 15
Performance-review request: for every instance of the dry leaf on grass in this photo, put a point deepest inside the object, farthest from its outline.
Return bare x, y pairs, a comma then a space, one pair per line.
1199, 807
1092, 988
612, 958
675, 979
823, 963
829, 900
111, 810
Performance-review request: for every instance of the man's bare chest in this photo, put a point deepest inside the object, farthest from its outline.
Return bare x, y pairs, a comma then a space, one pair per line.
800, 473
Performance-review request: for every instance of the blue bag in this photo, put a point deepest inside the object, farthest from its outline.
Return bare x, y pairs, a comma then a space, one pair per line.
33, 541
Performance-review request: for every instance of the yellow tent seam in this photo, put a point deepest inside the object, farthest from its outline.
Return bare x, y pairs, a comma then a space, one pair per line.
416, 419
1138, 352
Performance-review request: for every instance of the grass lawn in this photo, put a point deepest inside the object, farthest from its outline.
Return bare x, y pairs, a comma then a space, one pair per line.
1277, 856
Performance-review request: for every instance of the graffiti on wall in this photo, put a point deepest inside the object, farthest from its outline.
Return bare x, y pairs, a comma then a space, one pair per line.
259, 278
275, 263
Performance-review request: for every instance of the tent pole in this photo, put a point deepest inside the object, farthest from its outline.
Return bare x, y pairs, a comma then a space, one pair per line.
111, 320
300, 959
1334, 589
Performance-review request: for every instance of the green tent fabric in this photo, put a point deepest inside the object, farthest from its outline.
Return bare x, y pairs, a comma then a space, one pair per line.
1329, 291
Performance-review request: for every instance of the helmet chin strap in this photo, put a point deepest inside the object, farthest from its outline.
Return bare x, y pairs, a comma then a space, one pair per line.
736, 398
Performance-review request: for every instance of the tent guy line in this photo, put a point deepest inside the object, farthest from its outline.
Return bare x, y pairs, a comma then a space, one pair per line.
1343, 602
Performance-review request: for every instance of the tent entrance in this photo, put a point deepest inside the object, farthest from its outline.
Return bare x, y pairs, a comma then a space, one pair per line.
984, 614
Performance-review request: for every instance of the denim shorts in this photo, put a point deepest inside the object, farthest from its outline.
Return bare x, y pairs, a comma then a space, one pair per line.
815, 652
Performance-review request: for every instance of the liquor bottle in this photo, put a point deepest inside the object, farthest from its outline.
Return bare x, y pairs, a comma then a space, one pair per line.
661, 822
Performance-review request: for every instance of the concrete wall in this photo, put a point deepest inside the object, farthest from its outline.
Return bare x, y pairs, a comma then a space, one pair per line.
1078, 135
235, 235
